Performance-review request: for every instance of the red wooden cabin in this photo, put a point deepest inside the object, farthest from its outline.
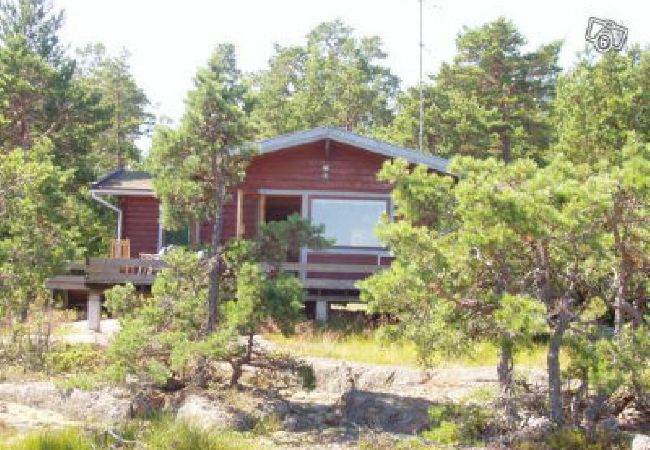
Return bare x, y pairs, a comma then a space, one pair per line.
328, 175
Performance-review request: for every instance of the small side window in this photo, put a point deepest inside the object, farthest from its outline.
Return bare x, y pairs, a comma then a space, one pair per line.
177, 237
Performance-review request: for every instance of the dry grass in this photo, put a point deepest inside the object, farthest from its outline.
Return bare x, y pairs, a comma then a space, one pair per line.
365, 347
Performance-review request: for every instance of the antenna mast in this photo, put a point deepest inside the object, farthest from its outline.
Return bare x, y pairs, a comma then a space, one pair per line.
421, 131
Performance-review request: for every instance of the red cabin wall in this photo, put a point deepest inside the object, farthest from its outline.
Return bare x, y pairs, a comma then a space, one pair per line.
140, 223
298, 168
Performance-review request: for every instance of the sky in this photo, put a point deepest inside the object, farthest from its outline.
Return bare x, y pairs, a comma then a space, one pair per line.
168, 40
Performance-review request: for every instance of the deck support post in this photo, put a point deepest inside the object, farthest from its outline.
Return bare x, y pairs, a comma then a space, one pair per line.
322, 310
94, 311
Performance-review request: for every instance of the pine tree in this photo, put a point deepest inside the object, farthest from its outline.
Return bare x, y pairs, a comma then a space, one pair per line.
195, 166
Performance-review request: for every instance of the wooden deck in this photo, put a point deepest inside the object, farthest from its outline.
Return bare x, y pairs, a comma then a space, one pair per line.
103, 272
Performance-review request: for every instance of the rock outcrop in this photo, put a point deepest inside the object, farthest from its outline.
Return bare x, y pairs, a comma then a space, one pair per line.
108, 405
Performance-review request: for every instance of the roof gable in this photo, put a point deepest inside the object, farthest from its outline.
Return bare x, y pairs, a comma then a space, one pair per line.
127, 182
353, 139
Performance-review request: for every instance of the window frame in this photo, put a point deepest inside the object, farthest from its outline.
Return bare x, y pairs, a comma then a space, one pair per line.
389, 211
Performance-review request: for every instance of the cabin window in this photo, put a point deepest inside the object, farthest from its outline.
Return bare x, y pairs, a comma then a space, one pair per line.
351, 222
180, 236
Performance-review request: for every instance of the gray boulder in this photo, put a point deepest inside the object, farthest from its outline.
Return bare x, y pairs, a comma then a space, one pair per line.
386, 412
208, 414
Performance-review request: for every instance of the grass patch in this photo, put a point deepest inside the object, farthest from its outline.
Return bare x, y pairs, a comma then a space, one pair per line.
366, 346
67, 439
82, 381
182, 436
160, 434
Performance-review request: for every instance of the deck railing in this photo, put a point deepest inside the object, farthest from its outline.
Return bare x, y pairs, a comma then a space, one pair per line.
144, 271
122, 270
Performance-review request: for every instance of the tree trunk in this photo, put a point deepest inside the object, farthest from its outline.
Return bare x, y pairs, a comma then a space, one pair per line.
238, 364
619, 298
506, 148
215, 271
505, 371
592, 412
554, 371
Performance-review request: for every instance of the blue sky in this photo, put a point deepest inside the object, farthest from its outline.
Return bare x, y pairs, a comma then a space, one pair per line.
168, 39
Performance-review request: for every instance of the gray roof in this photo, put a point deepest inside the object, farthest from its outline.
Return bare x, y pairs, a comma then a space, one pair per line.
136, 182
348, 137
122, 179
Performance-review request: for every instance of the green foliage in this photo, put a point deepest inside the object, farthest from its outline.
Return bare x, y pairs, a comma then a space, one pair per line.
444, 433
278, 240
493, 100
81, 381
577, 439
165, 334
599, 103
457, 423
481, 395
307, 376
42, 233
162, 335
110, 79
509, 250
121, 299
50, 113
77, 358
194, 164
260, 298
197, 164
608, 365
335, 79
161, 434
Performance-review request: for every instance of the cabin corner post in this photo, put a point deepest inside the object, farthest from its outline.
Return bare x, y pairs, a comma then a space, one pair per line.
304, 212
240, 213
261, 209
94, 311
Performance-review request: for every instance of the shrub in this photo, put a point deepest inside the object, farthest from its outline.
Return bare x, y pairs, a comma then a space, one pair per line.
78, 358
445, 432
457, 423
577, 439
307, 376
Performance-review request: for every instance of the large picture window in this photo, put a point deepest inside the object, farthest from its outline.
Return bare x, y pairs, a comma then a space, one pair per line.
351, 222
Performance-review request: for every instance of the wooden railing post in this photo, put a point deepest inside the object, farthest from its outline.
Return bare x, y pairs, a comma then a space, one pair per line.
120, 248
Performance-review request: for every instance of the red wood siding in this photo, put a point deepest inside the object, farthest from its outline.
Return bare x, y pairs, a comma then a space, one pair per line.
140, 223
301, 168
347, 258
